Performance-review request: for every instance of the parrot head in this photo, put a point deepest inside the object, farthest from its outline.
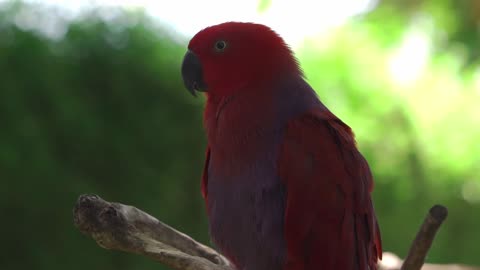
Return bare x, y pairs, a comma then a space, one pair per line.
228, 57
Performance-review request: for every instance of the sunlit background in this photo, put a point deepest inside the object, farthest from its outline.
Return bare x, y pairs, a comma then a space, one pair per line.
91, 101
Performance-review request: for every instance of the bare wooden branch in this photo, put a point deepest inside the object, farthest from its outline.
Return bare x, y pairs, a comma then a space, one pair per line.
125, 228
122, 227
420, 246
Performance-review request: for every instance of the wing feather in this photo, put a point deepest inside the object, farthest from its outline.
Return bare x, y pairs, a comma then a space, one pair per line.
330, 222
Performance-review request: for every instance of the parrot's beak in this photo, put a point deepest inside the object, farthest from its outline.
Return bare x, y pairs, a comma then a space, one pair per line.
192, 73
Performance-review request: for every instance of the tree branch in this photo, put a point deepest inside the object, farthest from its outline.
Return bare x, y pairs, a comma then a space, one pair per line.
420, 246
122, 227
125, 228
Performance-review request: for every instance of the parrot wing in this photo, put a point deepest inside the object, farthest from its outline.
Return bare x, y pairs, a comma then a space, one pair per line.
330, 222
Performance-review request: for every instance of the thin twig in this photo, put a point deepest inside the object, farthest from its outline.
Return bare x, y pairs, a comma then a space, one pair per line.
423, 240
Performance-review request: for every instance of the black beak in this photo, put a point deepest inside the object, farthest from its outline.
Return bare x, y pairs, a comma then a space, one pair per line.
192, 74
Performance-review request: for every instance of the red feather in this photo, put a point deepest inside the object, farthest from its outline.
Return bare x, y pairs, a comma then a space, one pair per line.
330, 222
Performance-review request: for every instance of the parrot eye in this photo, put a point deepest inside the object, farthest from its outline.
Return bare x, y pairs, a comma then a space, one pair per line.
220, 45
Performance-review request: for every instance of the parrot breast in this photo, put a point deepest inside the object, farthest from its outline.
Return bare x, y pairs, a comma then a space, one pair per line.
246, 197
246, 211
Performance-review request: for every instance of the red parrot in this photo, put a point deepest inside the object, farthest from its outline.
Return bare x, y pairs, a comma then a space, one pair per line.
284, 183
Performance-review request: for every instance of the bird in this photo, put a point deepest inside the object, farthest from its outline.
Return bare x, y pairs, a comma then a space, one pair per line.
284, 184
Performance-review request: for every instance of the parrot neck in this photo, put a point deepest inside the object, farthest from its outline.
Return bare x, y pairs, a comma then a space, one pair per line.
238, 113
259, 78
256, 110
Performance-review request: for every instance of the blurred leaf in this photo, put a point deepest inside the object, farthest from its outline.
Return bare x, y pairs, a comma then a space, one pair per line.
263, 5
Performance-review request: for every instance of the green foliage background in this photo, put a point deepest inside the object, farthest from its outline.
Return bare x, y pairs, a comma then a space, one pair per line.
101, 109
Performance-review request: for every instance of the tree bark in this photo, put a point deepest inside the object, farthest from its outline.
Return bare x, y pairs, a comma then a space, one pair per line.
125, 228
